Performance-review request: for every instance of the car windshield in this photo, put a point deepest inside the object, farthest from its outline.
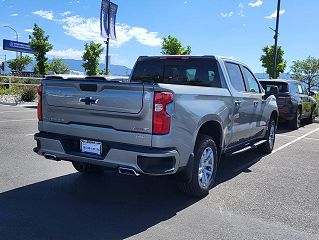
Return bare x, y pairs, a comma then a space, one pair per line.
282, 86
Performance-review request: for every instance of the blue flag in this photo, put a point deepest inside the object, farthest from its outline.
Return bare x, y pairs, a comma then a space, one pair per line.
108, 28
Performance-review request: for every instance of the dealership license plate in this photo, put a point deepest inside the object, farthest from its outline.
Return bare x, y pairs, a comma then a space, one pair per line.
92, 147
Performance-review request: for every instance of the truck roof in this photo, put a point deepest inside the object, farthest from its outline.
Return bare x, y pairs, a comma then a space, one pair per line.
190, 57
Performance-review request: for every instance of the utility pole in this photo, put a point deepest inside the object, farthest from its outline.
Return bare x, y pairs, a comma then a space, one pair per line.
276, 41
107, 42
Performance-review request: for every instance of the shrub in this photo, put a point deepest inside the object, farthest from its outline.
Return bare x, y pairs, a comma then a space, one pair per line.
29, 94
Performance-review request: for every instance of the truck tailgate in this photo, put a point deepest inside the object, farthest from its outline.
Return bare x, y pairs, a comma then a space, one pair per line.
118, 108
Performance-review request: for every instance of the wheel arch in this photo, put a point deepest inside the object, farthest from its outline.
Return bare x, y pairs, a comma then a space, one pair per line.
212, 128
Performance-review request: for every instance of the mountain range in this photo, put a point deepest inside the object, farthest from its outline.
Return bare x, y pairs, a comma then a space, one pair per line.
76, 65
120, 70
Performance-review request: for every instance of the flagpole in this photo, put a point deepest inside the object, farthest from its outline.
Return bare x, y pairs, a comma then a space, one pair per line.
108, 39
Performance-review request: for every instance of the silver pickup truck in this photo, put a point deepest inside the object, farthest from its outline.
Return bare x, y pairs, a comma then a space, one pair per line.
177, 115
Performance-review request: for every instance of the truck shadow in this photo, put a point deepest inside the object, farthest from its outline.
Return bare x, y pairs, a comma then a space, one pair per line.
106, 206
230, 167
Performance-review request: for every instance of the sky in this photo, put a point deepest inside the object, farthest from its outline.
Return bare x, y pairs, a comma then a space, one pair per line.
232, 28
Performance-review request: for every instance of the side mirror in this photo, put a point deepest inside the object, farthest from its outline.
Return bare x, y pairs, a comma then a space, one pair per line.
311, 93
272, 90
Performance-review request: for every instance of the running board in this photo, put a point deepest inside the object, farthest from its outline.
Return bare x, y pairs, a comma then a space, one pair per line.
245, 149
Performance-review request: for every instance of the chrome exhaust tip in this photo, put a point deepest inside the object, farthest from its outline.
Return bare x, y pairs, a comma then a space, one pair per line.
128, 171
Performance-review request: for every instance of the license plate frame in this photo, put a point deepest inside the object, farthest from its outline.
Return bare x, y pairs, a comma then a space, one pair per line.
91, 147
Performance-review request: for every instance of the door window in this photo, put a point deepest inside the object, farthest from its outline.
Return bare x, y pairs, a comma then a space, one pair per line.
252, 82
235, 76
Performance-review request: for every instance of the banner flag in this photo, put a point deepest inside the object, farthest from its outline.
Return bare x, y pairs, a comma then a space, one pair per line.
108, 28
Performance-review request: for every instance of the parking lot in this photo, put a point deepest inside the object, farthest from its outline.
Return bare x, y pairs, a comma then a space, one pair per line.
255, 197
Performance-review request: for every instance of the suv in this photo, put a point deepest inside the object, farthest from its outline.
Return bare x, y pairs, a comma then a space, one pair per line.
177, 116
293, 101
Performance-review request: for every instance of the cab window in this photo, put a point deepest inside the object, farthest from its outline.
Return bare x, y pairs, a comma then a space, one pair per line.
235, 76
253, 86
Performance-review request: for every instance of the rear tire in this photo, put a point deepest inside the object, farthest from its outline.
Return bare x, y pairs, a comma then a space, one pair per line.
270, 138
87, 168
312, 117
295, 123
204, 168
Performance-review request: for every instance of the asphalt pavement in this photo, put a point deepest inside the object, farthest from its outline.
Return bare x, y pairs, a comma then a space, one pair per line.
255, 197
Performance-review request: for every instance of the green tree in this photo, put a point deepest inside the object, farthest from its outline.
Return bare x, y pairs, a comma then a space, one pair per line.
59, 67
40, 43
91, 58
172, 46
306, 71
20, 63
267, 60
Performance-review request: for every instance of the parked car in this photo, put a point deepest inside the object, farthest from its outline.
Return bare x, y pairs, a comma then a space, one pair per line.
178, 116
293, 100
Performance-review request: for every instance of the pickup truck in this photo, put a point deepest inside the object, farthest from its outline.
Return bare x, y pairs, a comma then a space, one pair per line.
177, 115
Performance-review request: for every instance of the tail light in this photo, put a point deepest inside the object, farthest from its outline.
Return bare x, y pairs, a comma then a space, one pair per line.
161, 119
39, 107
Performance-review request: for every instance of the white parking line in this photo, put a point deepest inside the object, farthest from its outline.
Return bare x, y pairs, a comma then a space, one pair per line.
19, 111
20, 120
293, 141
290, 136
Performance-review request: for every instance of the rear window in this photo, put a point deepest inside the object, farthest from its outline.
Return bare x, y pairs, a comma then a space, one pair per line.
195, 72
282, 86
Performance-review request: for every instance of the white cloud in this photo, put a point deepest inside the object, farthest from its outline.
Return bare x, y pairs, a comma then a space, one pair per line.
14, 15
257, 3
28, 30
227, 14
89, 30
241, 13
67, 13
45, 14
274, 14
241, 5
67, 54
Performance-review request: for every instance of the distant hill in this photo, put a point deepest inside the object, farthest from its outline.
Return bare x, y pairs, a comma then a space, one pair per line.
266, 76
76, 65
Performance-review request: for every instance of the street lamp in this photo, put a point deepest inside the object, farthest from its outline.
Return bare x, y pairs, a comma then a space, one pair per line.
276, 40
17, 37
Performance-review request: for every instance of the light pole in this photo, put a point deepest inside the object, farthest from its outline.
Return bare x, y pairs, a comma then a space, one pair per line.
17, 37
107, 42
276, 41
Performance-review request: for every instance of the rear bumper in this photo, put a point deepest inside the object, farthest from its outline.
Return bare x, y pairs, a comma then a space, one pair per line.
144, 160
287, 112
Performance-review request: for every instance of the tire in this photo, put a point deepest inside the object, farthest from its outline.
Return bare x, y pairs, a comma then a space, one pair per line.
87, 168
205, 158
312, 117
295, 123
270, 138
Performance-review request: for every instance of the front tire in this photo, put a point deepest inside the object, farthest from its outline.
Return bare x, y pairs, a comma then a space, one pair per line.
270, 138
204, 168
